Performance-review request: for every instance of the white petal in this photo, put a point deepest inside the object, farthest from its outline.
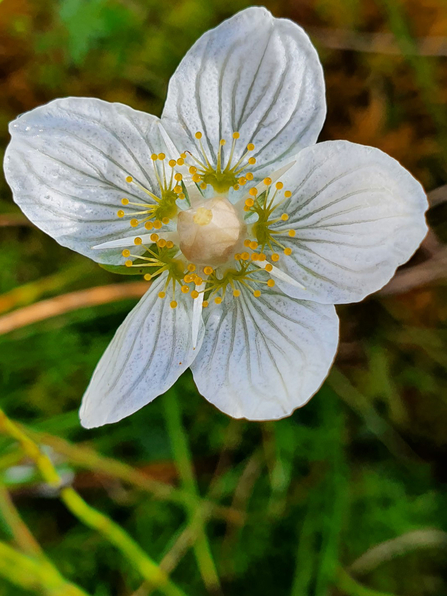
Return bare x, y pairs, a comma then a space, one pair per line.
263, 357
67, 165
255, 75
279, 274
357, 215
150, 350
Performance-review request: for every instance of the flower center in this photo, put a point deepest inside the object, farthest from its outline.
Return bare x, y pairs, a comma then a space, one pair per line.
211, 232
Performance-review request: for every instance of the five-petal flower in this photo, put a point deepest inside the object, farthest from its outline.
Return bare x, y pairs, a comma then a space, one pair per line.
248, 231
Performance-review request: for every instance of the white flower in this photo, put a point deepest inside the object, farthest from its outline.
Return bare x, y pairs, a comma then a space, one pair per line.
228, 204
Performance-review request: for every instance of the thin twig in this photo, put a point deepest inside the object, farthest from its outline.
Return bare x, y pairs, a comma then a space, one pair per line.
390, 549
69, 302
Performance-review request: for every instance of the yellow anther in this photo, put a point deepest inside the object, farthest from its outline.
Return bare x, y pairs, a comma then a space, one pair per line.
242, 181
183, 155
161, 243
120, 213
134, 223
288, 251
249, 203
247, 242
128, 263
194, 294
236, 293
148, 277
129, 179
208, 270
250, 147
181, 196
253, 192
237, 257
249, 176
178, 177
251, 160
262, 256
236, 187
245, 256
138, 241
287, 194
161, 156
185, 289
173, 304
154, 157
178, 189
161, 294
192, 170
180, 161
279, 185
236, 135
148, 225
292, 233
165, 220
271, 283
172, 163
124, 201
246, 208
191, 267
222, 142
284, 217
257, 293
269, 267
169, 244
203, 185
198, 135
253, 245
198, 280
205, 303
154, 237
126, 252
196, 178
218, 300
187, 279
157, 224
267, 181
275, 257
254, 256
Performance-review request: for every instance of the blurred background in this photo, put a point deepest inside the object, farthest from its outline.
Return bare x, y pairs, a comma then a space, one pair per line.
345, 497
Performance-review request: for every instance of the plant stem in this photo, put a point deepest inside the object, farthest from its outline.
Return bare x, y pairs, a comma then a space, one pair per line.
90, 516
182, 456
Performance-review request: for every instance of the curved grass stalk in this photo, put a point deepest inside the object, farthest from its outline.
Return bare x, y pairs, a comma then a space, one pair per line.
90, 516
35, 574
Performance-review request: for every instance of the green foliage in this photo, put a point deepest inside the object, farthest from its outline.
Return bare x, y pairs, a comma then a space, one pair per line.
288, 507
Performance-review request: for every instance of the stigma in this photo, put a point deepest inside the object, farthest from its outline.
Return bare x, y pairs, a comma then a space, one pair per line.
211, 232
